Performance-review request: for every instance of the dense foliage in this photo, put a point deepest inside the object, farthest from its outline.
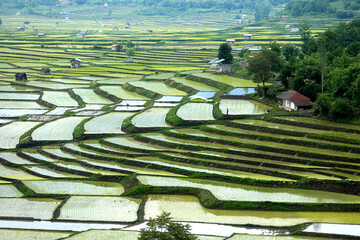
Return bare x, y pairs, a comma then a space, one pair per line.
327, 70
302, 7
162, 228
225, 53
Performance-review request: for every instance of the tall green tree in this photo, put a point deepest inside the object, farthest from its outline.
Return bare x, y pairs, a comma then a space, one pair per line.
225, 53
162, 228
305, 35
264, 64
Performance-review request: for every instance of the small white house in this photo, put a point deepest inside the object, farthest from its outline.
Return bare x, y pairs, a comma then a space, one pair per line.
215, 63
231, 42
247, 36
41, 35
293, 101
75, 63
295, 29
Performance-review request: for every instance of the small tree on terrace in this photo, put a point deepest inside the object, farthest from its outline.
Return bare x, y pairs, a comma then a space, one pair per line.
130, 52
225, 53
163, 229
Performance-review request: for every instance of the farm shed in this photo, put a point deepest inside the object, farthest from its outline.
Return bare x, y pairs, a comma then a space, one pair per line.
19, 29
41, 35
149, 31
295, 29
129, 59
20, 77
117, 48
79, 35
231, 42
45, 71
115, 28
225, 68
293, 101
247, 36
75, 63
215, 63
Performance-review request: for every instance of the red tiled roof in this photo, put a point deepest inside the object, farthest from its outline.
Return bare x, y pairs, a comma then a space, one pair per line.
297, 98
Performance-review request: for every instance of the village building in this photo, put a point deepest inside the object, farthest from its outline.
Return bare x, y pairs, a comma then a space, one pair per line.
231, 42
19, 29
117, 48
75, 63
35, 30
240, 21
115, 28
215, 63
80, 35
149, 31
26, 22
247, 36
41, 35
287, 26
243, 16
45, 71
294, 29
129, 59
226, 68
293, 101
20, 77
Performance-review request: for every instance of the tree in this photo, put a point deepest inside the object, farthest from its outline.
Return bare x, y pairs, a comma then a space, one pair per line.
263, 64
163, 229
305, 35
129, 44
130, 52
225, 53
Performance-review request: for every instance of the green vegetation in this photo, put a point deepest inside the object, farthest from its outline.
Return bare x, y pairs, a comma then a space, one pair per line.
162, 228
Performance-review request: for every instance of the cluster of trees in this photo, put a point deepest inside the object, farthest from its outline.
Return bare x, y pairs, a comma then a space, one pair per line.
325, 69
302, 7
162, 228
20, 4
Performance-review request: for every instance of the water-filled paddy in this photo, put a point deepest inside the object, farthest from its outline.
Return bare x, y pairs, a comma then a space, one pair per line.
57, 98
119, 92
100, 209
60, 129
108, 123
241, 107
337, 229
10, 134
75, 187
31, 235
188, 208
235, 192
196, 112
241, 91
33, 208
153, 117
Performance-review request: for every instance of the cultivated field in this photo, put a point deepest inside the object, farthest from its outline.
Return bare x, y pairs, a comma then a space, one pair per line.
113, 143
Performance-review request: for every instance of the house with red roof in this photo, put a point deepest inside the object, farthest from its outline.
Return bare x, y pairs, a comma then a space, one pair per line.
293, 101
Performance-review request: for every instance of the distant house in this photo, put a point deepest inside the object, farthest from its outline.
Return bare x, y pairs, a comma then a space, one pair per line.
75, 63
41, 35
287, 26
247, 36
83, 32
240, 21
35, 30
20, 77
215, 63
26, 22
129, 59
103, 25
243, 16
294, 29
45, 71
293, 101
226, 68
19, 29
149, 31
127, 26
80, 35
117, 48
231, 42
115, 28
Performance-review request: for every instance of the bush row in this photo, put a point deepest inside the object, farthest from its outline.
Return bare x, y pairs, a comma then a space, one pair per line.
210, 82
285, 140
208, 200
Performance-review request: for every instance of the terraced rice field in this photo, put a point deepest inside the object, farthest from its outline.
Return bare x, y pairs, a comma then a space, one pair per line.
91, 150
